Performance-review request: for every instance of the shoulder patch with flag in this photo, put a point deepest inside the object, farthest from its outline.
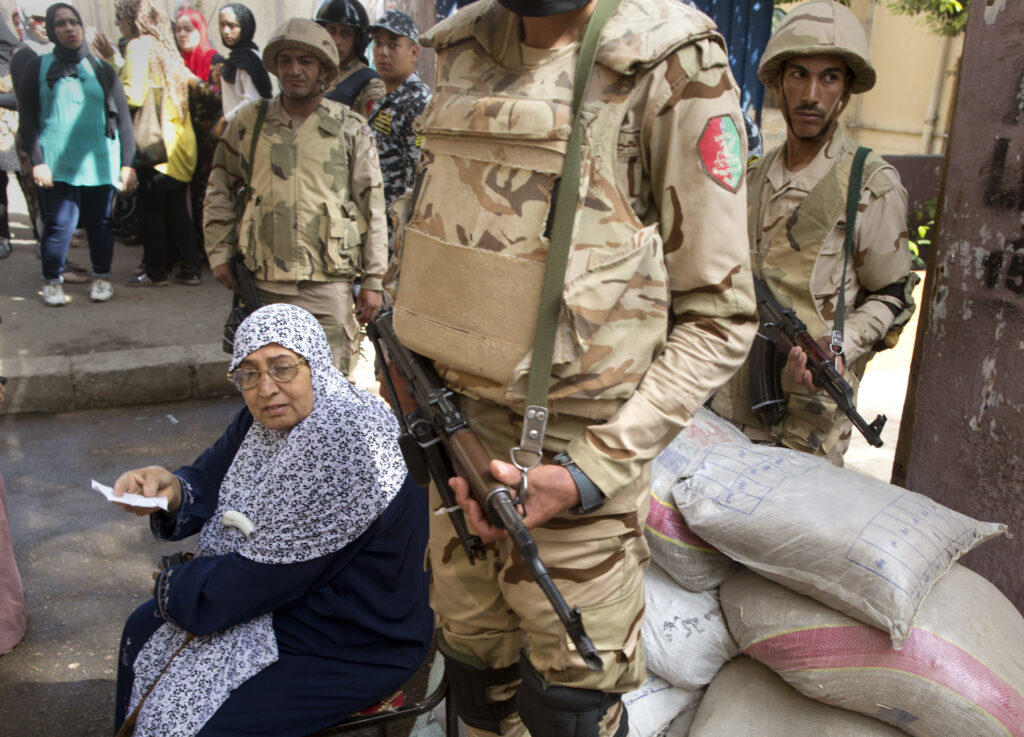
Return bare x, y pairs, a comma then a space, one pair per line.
721, 152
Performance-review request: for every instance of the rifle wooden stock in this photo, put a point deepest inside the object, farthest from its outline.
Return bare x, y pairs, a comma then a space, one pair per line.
466, 456
782, 322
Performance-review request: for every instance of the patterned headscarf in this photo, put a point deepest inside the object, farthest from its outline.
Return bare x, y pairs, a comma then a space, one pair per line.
308, 493
166, 64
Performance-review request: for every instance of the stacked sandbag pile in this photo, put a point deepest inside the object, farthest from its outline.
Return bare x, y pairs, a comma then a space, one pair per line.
686, 640
843, 588
691, 561
866, 626
960, 671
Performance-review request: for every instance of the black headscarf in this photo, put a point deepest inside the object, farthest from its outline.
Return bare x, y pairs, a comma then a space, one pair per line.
243, 54
65, 64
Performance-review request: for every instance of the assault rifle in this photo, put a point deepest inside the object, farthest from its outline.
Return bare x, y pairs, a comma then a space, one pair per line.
437, 444
766, 366
245, 299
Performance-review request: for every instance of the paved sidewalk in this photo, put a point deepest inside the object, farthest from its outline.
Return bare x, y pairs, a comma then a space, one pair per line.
148, 344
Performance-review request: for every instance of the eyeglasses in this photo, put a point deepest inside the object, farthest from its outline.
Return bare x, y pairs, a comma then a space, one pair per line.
282, 373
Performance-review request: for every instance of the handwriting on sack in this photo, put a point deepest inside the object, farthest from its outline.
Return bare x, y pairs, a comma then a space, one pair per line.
687, 627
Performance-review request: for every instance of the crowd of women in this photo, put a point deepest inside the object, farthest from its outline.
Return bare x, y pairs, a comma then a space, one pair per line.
307, 598
137, 121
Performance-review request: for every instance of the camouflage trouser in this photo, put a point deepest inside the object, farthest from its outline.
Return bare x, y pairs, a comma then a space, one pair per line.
492, 611
818, 428
331, 304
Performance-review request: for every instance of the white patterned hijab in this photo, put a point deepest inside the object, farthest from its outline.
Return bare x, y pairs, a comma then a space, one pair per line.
307, 493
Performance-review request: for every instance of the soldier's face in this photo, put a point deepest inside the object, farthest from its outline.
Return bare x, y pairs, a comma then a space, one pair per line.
344, 38
813, 91
394, 56
300, 73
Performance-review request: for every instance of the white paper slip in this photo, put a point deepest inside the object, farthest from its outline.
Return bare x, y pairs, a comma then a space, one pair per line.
130, 500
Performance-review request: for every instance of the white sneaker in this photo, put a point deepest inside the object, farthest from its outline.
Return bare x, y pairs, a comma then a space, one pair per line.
53, 294
101, 291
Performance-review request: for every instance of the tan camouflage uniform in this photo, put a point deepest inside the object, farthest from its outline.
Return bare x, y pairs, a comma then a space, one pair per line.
658, 306
808, 280
315, 219
797, 225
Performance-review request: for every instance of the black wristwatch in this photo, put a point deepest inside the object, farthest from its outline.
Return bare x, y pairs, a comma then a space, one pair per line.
591, 498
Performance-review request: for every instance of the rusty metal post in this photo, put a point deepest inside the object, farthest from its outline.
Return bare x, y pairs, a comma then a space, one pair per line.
962, 433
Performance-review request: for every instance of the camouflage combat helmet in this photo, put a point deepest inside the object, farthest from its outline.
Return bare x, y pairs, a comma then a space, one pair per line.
819, 27
305, 34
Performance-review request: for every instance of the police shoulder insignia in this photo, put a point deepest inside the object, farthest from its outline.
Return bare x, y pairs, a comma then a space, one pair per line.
382, 123
721, 152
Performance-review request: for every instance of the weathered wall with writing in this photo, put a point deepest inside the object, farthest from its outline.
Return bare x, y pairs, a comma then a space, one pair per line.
963, 424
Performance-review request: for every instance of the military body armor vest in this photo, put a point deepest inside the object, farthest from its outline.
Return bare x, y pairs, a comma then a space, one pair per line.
475, 248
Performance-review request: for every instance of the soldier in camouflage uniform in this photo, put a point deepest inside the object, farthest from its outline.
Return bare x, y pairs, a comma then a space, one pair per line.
358, 86
314, 220
796, 195
657, 312
395, 50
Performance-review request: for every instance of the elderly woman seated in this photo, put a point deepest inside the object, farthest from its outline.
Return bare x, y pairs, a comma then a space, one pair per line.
307, 599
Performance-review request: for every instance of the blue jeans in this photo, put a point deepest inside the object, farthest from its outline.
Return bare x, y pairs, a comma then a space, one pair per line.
63, 205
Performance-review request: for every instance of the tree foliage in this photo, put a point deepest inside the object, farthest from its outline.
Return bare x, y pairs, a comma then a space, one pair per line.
945, 17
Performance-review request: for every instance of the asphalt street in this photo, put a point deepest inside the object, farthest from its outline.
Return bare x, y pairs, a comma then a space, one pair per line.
85, 563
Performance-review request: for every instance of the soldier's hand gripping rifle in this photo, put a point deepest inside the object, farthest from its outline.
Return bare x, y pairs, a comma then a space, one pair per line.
765, 366
437, 442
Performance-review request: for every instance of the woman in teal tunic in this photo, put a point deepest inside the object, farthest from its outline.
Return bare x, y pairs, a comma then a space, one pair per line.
76, 126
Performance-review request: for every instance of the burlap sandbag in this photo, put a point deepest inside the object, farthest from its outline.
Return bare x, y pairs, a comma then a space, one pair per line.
748, 700
691, 561
959, 674
654, 705
685, 636
862, 546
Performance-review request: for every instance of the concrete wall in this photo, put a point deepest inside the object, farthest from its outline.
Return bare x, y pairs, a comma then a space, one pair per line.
907, 112
960, 439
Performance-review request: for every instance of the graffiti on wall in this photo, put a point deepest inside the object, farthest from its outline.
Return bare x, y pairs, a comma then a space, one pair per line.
1004, 190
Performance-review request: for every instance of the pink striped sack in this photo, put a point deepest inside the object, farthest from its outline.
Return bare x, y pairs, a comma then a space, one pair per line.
864, 547
747, 699
692, 562
960, 672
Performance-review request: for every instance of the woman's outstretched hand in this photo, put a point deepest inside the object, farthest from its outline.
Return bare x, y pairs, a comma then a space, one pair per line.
151, 481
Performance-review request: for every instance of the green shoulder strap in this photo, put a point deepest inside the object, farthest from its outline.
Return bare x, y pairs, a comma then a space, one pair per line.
566, 202
852, 202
